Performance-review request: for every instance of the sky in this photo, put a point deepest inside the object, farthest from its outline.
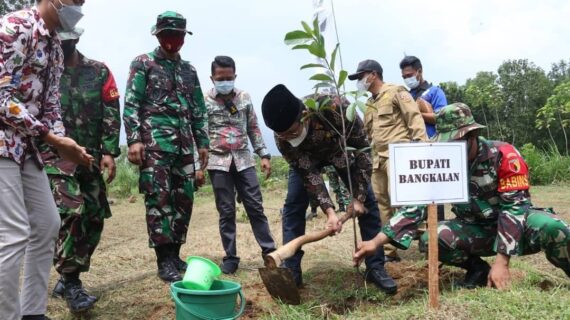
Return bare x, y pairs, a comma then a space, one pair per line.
454, 39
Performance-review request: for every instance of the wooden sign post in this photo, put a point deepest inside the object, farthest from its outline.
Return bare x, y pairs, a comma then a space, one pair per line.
433, 255
429, 174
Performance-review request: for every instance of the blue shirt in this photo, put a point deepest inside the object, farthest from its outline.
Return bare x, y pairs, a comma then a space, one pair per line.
435, 96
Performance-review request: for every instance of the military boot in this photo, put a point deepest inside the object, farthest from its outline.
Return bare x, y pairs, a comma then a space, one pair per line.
477, 273
166, 269
75, 296
175, 254
59, 290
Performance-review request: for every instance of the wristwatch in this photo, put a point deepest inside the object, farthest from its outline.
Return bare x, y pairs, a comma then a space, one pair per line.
266, 156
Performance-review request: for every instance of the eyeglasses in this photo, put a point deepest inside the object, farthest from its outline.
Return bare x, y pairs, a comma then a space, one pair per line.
292, 132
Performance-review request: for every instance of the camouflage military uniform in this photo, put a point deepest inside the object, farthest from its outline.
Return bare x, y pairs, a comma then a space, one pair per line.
338, 187
165, 110
90, 113
499, 217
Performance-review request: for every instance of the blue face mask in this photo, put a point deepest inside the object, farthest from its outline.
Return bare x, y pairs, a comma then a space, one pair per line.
68, 15
224, 87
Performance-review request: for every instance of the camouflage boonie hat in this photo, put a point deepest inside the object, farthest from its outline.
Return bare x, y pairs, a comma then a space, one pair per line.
70, 35
453, 122
169, 20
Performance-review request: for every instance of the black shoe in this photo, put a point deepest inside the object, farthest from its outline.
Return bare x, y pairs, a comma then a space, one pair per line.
229, 266
35, 317
77, 299
382, 280
392, 259
175, 257
59, 291
167, 271
179, 264
476, 275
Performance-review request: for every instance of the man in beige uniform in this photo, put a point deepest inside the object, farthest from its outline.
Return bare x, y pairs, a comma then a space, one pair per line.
392, 117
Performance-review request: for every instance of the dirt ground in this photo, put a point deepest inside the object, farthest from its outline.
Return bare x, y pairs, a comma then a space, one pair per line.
123, 272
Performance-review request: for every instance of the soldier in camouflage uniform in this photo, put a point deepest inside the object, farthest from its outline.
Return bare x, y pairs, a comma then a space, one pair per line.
164, 114
338, 187
499, 220
90, 114
341, 192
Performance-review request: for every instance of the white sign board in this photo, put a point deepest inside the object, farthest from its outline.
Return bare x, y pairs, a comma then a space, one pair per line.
426, 173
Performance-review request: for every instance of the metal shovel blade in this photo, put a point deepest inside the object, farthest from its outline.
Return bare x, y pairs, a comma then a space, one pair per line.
281, 285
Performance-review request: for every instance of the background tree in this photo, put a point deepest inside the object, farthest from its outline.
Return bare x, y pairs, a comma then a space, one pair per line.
560, 72
453, 91
557, 112
525, 89
485, 98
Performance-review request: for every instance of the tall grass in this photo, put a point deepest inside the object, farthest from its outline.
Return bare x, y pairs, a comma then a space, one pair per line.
127, 178
546, 166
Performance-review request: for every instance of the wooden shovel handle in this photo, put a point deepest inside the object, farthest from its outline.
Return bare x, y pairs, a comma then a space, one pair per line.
274, 259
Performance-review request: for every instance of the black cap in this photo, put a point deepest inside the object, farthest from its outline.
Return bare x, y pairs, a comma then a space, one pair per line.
280, 108
366, 66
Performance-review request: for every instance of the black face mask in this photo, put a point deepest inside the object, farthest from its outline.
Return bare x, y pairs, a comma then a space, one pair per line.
68, 47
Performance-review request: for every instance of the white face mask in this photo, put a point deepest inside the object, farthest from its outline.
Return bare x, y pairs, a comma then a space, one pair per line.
68, 15
224, 87
363, 84
297, 141
412, 82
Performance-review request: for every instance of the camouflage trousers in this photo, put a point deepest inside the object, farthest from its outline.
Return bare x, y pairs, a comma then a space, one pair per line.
167, 182
544, 231
82, 203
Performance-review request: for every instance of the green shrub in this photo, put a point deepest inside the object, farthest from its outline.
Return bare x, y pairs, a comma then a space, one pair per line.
546, 166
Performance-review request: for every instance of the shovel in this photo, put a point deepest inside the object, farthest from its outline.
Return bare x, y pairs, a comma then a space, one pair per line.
279, 281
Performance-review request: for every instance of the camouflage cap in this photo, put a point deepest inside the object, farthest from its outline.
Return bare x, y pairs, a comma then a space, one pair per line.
453, 122
169, 20
70, 35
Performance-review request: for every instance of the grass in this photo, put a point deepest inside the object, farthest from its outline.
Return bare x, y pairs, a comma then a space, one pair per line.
123, 274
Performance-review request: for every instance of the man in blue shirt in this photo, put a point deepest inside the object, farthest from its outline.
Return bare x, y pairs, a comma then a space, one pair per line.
423, 91
430, 99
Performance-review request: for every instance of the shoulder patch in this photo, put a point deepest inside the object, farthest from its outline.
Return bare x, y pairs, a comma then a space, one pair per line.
513, 171
405, 97
110, 92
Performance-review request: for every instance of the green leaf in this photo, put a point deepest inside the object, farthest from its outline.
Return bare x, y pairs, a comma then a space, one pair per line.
350, 149
316, 29
323, 85
317, 50
363, 149
312, 65
342, 77
325, 103
301, 46
311, 104
297, 37
361, 105
333, 57
321, 77
307, 28
351, 112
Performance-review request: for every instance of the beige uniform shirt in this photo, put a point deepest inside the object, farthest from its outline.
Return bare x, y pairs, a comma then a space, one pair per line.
393, 116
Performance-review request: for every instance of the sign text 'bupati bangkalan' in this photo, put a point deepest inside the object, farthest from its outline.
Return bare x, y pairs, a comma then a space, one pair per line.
424, 173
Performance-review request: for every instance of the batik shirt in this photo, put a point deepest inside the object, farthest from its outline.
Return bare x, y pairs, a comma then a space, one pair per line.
90, 112
164, 105
498, 195
31, 64
229, 130
322, 147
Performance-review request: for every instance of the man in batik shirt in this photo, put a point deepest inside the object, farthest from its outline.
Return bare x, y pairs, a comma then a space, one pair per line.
231, 121
308, 144
31, 63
